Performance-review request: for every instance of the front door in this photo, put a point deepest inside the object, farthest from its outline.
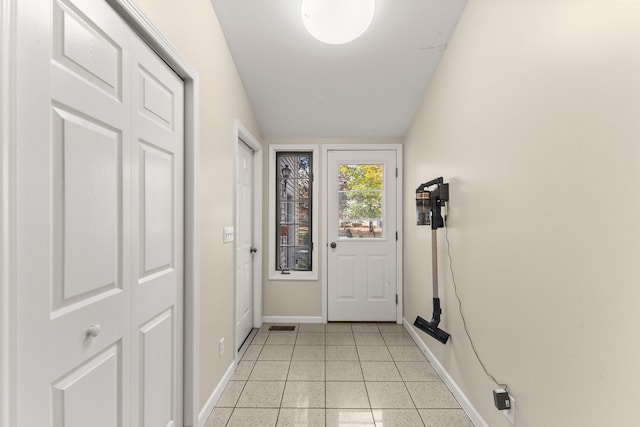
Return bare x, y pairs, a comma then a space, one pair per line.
100, 223
244, 246
361, 222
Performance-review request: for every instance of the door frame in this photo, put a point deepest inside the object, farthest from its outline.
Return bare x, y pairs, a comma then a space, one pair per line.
7, 212
399, 218
242, 135
133, 16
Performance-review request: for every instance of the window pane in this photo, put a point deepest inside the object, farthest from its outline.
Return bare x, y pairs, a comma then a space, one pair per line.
294, 246
360, 198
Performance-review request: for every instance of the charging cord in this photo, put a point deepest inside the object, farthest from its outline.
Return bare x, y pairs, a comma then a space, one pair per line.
464, 321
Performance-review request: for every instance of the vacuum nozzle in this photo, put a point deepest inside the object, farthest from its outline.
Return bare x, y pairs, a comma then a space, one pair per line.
430, 329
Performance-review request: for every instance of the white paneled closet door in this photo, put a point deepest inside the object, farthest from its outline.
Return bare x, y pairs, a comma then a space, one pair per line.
100, 234
157, 298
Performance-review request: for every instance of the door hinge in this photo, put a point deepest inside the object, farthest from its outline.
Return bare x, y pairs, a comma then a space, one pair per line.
396, 299
396, 236
396, 172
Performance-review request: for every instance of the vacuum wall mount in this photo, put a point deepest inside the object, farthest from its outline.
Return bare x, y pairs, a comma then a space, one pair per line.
429, 212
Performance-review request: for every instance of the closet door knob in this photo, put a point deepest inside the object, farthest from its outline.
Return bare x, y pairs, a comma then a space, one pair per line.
94, 330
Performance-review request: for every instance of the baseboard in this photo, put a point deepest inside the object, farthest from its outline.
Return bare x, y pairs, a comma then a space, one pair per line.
292, 319
215, 396
462, 399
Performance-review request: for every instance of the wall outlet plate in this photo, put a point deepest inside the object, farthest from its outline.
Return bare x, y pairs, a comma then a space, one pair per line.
227, 234
510, 414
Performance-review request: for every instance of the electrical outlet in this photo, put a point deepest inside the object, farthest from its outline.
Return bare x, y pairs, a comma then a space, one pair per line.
510, 414
221, 346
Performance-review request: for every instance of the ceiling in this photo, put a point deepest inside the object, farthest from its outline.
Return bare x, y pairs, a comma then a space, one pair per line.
369, 88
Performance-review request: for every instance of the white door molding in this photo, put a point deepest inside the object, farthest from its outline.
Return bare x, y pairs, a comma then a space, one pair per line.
399, 216
242, 133
151, 35
7, 209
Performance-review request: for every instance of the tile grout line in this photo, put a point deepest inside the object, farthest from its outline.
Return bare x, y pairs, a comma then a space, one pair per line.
366, 389
298, 344
235, 405
326, 359
286, 379
404, 383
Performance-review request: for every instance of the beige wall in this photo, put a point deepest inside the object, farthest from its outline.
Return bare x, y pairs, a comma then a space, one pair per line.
298, 298
192, 27
534, 118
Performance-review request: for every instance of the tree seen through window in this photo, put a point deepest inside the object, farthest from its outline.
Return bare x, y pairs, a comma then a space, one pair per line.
360, 200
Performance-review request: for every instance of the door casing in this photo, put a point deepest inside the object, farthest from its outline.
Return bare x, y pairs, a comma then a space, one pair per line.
399, 201
10, 13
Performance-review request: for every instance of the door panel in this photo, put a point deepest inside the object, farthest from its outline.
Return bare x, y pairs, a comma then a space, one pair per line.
377, 277
346, 271
157, 100
157, 347
77, 275
361, 218
78, 403
156, 219
99, 185
82, 47
158, 97
244, 238
86, 167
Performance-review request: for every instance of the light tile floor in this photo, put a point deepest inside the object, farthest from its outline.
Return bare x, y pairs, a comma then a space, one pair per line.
340, 374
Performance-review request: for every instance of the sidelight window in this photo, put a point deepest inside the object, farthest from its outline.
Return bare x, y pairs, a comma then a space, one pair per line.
294, 230
293, 217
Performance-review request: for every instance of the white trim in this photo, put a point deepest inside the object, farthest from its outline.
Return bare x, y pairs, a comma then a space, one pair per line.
399, 219
130, 12
293, 319
208, 407
400, 229
462, 399
315, 201
242, 134
7, 213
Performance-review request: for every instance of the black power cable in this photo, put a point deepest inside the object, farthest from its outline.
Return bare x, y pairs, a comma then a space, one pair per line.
464, 321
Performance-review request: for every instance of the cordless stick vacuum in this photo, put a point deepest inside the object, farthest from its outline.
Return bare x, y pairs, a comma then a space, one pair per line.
428, 211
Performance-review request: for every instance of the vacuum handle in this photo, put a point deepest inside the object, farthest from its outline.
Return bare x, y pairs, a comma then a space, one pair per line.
434, 261
426, 185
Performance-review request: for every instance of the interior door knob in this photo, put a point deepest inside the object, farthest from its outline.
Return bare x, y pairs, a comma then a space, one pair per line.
94, 330
253, 250
333, 245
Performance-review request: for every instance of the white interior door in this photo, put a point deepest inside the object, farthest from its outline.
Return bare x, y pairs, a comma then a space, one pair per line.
361, 231
99, 230
245, 250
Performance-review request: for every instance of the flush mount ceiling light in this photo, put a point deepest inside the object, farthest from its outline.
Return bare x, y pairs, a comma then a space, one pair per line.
337, 21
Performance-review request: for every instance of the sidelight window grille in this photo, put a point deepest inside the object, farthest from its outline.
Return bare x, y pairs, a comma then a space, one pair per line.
294, 178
